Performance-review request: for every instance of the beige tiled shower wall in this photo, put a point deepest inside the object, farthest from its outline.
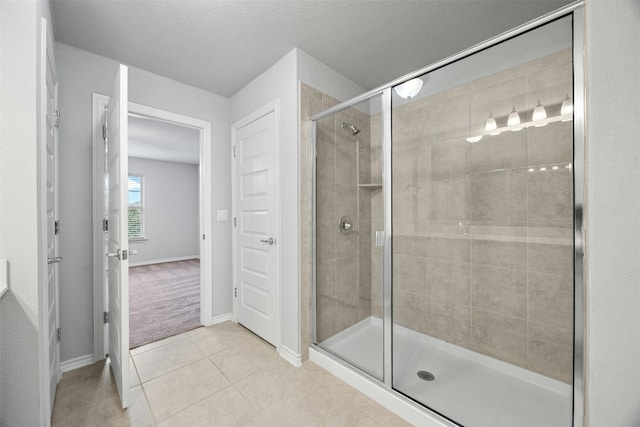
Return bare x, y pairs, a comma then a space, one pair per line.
343, 261
483, 232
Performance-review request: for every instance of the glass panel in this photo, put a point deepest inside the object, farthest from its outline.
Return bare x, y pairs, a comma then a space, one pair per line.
348, 214
483, 234
135, 206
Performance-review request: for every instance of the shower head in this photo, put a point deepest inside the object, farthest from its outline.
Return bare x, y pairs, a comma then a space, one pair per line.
354, 130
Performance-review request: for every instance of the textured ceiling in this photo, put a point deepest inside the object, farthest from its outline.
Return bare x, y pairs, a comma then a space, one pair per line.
221, 45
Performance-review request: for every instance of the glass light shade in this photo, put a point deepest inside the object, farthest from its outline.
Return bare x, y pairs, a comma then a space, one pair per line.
514, 119
408, 90
539, 113
473, 139
567, 106
490, 123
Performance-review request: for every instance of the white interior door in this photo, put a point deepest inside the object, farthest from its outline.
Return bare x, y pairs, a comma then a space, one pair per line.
118, 241
256, 255
51, 189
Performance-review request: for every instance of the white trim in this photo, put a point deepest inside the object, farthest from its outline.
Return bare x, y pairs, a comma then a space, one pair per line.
99, 103
77, 363
290, 356
221, 318
206, 196
274, 107
398, 405
45, 53
163, 260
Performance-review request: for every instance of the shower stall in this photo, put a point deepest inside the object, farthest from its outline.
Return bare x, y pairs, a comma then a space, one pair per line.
446, 232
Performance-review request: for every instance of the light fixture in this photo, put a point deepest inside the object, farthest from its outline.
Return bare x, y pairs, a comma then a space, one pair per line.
490, 123
514, 120
409, 89
539, 113
473, 139
567, 108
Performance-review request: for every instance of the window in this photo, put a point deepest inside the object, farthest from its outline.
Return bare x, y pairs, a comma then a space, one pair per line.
136, 226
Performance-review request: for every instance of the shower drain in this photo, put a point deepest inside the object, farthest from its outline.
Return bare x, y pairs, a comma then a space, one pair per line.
426, 375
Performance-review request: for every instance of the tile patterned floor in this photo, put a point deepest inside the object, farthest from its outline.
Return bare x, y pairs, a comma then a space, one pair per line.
222, 375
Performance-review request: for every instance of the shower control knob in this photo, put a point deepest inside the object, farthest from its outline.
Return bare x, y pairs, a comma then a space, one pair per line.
345, 225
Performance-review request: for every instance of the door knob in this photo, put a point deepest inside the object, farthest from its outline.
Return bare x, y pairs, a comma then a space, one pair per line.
54, 260
270, 241
133, 252
114, 254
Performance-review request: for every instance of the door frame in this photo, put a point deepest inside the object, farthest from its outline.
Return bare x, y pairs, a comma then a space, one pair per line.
45, 50
272, 107
205, 214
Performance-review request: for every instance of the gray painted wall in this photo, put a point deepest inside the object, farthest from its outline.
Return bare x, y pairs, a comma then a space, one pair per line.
613, 208
80, 74
171, 210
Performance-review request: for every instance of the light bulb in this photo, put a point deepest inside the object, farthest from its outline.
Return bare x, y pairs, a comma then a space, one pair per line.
539, 113
490, 123
409, 89
514, 119
567, 108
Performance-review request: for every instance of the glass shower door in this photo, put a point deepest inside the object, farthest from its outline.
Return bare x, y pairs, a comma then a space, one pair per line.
482, 187
348, 214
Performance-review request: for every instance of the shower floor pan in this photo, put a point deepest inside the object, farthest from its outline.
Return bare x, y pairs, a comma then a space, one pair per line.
472, 389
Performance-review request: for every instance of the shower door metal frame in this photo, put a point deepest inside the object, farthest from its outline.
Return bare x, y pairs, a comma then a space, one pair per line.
576, 11
579, 161
385, 95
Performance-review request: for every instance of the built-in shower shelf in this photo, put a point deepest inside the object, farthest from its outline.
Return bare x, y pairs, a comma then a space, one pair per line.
370, 186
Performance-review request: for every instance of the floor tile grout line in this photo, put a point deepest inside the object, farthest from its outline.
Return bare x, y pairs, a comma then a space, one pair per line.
173, 370
146, 398
171, 339
193, 404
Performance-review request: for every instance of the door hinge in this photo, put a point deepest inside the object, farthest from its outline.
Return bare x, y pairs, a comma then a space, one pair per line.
235, 221
203, 237
105, 317
104, 132
105, 224
59, 336
235, 151
56, 227
57, 123
235, 292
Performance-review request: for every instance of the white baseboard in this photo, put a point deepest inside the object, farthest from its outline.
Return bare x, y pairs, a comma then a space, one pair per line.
76, 363
160, 261
290, 356
219, 319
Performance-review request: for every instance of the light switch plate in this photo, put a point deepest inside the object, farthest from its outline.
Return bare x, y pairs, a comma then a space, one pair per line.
222, 215
4, 279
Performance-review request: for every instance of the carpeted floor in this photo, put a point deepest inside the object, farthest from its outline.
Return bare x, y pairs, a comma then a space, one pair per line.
164, 300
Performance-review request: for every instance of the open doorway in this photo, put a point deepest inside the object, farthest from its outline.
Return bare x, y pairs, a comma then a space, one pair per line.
163, 211
195, 266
